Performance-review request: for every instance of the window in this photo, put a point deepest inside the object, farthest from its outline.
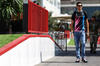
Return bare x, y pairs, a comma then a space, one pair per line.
51, 1
55, 2
58, 5
68, 10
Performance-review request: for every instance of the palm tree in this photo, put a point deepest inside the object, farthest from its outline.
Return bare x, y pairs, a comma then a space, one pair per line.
53, 24
9, 8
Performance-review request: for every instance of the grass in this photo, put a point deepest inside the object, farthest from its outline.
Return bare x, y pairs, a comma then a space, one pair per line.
71, 42
7, 38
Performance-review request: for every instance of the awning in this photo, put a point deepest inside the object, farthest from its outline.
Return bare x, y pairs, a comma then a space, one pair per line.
62, 17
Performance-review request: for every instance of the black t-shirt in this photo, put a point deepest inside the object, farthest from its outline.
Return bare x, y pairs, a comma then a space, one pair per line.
79, 19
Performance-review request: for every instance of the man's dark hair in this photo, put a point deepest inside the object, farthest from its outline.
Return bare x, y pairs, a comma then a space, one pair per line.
78, 3
94, 17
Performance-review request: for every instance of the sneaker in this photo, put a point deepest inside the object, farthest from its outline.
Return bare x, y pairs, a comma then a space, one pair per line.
77, 60
94, 52
84, 60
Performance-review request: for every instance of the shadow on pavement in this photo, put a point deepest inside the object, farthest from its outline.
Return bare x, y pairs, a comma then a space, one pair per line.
56, 62
73, 53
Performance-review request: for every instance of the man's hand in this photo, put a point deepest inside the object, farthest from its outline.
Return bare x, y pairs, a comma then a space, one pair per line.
72, 35
88, 35
87, 23
72, 22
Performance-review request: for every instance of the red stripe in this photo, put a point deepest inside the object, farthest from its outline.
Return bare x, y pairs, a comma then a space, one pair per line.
16, 42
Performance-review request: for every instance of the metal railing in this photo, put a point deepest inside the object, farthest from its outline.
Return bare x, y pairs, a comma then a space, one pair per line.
60, 38
37, 18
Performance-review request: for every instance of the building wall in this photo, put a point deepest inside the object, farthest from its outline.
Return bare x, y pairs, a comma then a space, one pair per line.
52, 6
90, 6
83, 1
90, 10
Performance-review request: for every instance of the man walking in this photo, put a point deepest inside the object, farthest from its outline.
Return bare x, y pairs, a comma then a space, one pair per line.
79, 17
94, 27
61, 27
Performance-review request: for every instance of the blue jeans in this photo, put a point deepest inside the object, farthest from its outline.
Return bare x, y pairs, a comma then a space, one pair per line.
79, 36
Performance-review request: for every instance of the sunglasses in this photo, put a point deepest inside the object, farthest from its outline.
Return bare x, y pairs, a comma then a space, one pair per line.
79, 5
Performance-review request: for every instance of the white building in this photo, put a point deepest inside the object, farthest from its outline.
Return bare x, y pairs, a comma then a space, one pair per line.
90, 6
51, 5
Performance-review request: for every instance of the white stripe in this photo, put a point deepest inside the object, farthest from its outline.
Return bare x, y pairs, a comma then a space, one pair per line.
84, 5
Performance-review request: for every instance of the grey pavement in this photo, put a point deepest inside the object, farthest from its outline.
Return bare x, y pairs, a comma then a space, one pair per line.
68, 58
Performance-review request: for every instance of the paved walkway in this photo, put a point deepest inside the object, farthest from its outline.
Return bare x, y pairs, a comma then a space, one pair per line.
68, 58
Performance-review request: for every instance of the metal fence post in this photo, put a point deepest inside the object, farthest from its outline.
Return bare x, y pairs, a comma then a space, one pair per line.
66, 41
